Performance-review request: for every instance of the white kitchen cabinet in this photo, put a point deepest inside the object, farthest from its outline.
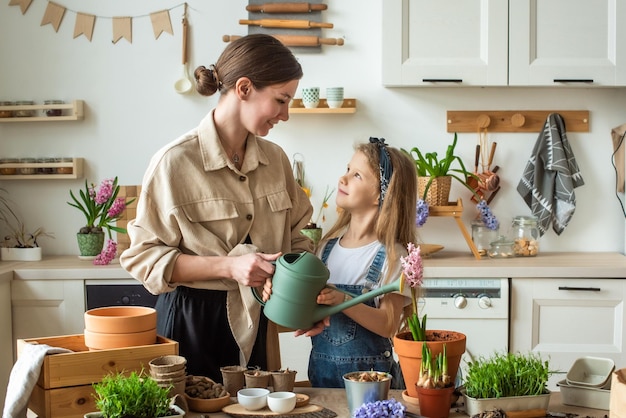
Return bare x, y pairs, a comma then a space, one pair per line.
6, 345
445, 42
43, 308
567, 42
498, 43
564, 319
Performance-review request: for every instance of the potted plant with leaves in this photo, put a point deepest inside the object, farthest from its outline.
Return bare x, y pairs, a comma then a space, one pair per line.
136, 395
409, 343
435, 174
510, 381
101, 207
434, 387
19, 243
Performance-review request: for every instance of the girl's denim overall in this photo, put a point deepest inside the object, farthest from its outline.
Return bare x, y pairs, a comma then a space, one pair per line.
346, 346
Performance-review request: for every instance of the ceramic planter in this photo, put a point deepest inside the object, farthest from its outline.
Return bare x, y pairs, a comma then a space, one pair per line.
435, 403
90, 245
179, 413
21, 254
410, 353
475, 406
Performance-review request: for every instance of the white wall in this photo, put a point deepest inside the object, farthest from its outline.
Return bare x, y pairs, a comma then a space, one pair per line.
132, 110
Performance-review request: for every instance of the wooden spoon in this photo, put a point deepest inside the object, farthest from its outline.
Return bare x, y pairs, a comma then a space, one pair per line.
183, 84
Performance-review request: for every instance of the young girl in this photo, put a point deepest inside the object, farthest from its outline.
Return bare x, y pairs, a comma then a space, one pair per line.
377, 196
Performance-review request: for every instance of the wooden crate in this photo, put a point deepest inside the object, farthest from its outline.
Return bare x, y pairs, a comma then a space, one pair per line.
64, 388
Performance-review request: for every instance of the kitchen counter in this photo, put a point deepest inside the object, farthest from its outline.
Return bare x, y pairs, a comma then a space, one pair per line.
335, 400
442, 264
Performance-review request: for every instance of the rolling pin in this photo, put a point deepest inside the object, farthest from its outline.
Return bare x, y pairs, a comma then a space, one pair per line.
286, 7
296, 40
284, 23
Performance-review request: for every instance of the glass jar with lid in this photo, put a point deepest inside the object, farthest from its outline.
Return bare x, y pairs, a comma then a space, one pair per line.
8, 166
24, 113
482, 236
7, 113
53, 111
525, 234
501, 248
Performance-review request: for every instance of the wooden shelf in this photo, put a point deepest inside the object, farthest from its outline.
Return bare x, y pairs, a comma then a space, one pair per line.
349, 106
513, 120
455, 210
75, 108
76, 165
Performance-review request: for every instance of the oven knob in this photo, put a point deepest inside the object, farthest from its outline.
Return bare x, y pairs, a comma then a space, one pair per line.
484, 301
460, 301
125, 300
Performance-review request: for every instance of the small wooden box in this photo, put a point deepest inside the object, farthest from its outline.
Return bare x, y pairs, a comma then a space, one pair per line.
64, 388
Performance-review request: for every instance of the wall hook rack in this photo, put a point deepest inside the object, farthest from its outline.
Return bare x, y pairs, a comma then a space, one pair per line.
513, 120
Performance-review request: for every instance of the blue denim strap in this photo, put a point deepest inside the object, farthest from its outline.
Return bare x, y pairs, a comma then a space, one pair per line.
328, 248
375, 271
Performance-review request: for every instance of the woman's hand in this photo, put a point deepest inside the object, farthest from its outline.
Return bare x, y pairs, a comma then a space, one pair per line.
267, 290
315, 330
253, 269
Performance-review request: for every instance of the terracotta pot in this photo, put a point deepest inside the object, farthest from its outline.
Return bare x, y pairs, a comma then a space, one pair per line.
435, 403
105, 341
410, 353
120, 319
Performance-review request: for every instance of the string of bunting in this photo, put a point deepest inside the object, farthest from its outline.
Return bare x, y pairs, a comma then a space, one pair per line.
85, 22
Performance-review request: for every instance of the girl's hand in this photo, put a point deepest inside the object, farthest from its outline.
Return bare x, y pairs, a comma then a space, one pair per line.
253, 269
330, 296
317, 328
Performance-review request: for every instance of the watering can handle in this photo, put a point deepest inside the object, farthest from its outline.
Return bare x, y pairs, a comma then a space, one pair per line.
256, 296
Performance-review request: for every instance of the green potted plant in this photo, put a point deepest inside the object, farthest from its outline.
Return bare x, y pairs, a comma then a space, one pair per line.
431, 170
434, 387
515, 380
101, 207
19, 243
136, 395
410, 344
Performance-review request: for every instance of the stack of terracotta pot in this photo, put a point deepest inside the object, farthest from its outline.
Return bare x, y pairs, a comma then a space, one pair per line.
170, 372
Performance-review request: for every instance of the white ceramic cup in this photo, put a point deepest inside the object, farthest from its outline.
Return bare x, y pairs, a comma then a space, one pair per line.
334, 97
310, 97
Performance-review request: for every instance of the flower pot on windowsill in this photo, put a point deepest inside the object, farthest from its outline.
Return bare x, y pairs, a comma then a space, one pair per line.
21, 254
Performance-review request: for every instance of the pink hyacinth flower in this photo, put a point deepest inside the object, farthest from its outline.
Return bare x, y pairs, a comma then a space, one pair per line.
412, 266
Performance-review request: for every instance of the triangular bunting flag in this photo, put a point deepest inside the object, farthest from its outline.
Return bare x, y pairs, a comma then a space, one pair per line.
22, 3
122, 28
84, 25
161, 23
53, 15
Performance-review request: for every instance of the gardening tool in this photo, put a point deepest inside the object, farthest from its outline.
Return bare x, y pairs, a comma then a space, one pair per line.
297, 280
296, 40
285, 23
183, 84
488, 179
471, 180
286, 7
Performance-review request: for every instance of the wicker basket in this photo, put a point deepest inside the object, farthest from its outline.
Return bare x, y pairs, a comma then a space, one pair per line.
438, 192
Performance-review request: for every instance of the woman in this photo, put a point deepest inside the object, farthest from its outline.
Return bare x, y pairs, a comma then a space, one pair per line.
377, 196
217, 206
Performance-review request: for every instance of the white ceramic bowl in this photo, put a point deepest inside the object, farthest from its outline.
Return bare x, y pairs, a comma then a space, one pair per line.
252, 398
281, 402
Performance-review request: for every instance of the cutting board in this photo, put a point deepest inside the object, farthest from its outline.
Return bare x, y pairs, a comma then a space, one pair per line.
127, 192
307, 411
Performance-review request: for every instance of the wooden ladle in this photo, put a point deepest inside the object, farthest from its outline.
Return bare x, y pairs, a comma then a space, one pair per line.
183, 85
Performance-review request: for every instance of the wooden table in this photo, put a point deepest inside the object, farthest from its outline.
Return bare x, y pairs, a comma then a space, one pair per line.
335, 400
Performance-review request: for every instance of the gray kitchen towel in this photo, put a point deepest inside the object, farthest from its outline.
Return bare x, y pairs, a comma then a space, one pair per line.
24, 376
550, 177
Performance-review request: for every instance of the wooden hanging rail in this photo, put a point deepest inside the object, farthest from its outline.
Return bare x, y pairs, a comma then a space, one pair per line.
513, 120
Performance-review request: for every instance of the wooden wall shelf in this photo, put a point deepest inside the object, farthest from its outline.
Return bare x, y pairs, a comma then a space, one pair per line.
513, 120
73, 111
76, 166
349, 106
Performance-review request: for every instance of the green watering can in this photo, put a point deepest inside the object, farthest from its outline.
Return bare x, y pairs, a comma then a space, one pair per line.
298, 279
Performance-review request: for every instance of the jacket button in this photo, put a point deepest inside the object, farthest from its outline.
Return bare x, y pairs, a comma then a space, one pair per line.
249, 217
242, 178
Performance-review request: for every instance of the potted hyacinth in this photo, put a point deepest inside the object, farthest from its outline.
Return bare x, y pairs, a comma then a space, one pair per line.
101, 207
409, 344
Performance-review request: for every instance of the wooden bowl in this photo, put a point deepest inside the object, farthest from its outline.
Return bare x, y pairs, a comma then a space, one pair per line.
120, 319
105, 341
207, 405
